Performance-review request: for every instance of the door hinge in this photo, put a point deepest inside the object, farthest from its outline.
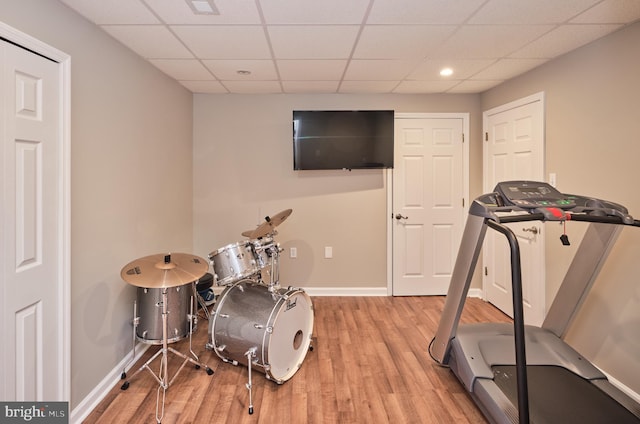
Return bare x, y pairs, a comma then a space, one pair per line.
486, 271
463, 202
463, 137
486, 136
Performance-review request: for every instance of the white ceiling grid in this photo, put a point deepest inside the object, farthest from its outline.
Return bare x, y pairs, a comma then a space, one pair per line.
354, 46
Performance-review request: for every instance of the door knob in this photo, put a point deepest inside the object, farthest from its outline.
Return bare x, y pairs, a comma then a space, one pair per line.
533, 230
399, 217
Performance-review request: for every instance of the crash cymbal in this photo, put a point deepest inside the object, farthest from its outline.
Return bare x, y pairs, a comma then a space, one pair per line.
270, 223
164, 270
247, 233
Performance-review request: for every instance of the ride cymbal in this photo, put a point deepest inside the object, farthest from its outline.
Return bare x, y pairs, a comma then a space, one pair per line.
164, 270
270, 224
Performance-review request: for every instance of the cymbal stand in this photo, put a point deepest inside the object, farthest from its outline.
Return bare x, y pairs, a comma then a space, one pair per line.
136, 321
251, 353
203, 305
163, 374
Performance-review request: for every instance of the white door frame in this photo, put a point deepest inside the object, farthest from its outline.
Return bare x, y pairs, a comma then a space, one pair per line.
389, 182
64, 223
537, 97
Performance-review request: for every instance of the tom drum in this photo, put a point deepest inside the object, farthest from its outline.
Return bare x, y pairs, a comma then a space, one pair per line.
233, 262
179, 320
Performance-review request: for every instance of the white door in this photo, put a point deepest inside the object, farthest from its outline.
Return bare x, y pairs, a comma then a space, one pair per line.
514, 150
31, 257
428, 196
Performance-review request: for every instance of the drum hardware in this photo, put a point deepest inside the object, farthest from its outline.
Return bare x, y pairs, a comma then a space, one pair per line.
207, 282
165, 272
251, 353
203, 305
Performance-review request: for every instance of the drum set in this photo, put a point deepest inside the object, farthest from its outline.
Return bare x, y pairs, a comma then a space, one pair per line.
254, 321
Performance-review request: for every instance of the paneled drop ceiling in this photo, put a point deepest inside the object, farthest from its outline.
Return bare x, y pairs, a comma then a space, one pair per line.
353, 46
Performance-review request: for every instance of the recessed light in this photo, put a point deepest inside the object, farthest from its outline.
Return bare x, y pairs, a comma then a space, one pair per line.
446, 72
243, 72
203, 7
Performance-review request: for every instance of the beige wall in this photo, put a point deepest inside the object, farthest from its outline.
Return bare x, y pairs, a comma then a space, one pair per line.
592, 127
243, 170
131, 189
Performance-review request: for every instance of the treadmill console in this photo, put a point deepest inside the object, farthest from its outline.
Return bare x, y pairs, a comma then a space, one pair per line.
532, 195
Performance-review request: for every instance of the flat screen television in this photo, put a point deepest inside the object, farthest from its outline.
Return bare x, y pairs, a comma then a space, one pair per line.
342, 139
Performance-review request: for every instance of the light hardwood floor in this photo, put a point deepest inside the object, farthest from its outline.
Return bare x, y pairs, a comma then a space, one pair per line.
369, 364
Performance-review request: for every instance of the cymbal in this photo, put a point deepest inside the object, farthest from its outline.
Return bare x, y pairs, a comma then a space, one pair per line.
164, 270
269, 224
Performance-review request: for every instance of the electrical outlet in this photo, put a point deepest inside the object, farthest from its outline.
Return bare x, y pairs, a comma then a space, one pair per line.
328, 252
293, 252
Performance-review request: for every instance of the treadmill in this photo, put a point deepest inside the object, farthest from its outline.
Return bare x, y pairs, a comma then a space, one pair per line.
522, 374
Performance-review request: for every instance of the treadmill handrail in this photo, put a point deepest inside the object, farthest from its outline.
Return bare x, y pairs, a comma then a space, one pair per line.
518, 321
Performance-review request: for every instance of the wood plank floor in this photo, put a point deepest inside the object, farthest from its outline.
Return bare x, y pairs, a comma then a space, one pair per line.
369, 365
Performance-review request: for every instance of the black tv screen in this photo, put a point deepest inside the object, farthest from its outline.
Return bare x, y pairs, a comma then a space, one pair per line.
342, 139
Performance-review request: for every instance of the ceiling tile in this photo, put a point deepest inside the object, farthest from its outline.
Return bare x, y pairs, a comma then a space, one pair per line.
378, 69
400, 41
368, 86
408, 87
149, 41
231, 12
314, 11
113, 11
563, 39
313, 42
504, 69
253, 87
183, 69
225, 42
529, 12
430, 69
488, 41
422, 12
610, 12
228, 69
210, 87
329, 70
470, 86
314, 87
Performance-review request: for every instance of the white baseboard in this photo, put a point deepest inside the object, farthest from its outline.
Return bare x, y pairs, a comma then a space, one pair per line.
346, 291
353, 291
475, 293
363, 291
625, 389
84, 408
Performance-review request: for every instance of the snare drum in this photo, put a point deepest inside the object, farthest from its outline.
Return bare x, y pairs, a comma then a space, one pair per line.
179, 320
233, 262
276, 325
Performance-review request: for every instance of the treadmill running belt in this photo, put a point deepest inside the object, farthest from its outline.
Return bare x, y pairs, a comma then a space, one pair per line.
558, 396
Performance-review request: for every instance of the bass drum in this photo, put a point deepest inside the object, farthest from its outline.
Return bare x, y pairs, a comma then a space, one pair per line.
277, 326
